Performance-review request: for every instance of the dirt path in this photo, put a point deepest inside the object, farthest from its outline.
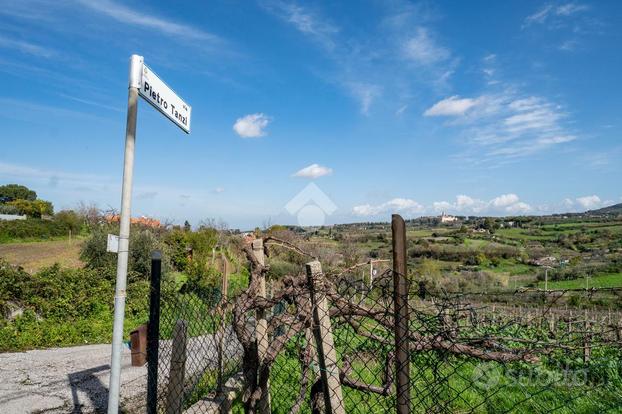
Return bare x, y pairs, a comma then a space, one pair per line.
34, 256
66, 380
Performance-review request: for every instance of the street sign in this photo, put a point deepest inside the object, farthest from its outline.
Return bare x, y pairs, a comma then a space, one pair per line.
164, 99
112, 245
144, 82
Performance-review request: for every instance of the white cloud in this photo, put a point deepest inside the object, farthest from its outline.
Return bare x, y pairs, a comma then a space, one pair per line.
365, 94
508, 125
589, 202
314, 171
569, 45
543, 116
252, 125
518, 208
92, 103
539, 16
559, 139
568, 203
550, 12
44, 175
396, 205
505, 200
141, 18
442, 206
505, 204
463, 201
423, 50
219, 190
26, 47
452, 106
304, 21
570, 8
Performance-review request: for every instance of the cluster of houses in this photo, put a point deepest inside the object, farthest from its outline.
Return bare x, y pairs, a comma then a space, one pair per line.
142, 220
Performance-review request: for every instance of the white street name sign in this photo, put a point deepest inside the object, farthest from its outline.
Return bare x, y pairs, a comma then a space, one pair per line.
112, 245
164, 99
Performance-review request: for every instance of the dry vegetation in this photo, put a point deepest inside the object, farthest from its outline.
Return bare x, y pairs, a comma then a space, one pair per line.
37, 255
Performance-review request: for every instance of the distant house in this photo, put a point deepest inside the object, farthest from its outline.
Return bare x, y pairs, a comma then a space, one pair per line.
10, 217
545, 261
248, 237
445, 218
142, 220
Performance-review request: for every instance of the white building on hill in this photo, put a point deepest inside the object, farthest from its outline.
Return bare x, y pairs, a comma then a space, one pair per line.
447, 218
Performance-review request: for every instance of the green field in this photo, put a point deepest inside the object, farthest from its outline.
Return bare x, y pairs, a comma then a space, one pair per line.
601, 281
512, 268
521, 234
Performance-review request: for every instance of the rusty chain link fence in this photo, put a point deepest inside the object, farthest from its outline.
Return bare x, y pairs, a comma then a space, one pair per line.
339, 343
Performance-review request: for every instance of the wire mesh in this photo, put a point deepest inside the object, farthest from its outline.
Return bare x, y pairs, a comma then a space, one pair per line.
322, 342
198, 351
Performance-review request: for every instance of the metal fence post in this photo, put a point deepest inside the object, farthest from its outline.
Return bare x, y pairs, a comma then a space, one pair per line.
224, 292
400, 296
326, 351
153, 333
175, 397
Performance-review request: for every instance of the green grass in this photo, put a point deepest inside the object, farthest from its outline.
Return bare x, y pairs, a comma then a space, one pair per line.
601, 281
477, 243
453, 383
521, 234
578, 225
420, 233
512, 268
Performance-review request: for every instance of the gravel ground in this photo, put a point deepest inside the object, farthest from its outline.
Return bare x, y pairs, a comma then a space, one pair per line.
66, 380
75, 379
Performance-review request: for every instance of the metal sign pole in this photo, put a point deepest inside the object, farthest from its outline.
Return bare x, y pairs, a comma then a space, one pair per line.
136, 65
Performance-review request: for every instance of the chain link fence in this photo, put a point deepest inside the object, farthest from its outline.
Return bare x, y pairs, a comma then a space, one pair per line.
193, 352
345, 344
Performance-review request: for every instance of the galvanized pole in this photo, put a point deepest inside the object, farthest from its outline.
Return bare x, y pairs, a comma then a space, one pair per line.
136, 65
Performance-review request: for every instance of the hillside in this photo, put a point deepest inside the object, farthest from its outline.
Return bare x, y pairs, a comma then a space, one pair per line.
614, 209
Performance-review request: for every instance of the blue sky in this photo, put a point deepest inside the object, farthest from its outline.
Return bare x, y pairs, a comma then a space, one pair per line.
387, 106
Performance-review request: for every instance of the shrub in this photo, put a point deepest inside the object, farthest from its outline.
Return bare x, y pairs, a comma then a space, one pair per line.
280, 268
203, 241
177, 243
70, 219
64, 306
142, 243
31, 228
36, 208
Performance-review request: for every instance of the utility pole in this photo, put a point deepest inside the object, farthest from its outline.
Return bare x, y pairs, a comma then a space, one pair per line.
546, 280
136, 65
